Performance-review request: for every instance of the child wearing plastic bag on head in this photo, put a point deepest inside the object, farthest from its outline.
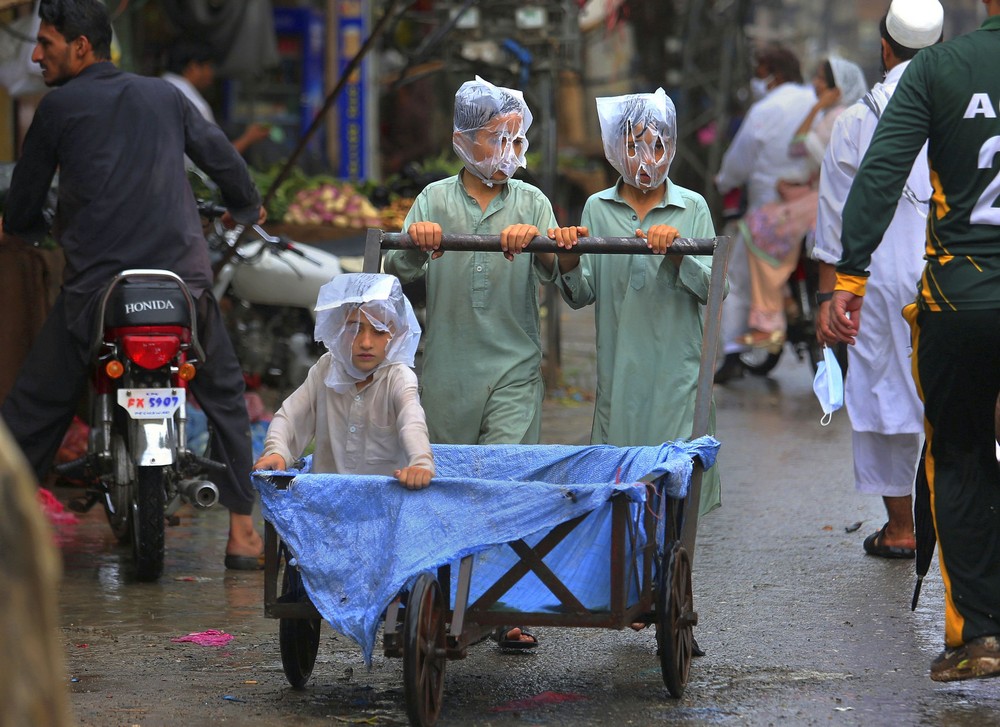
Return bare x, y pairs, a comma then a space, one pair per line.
359, 401
649, 324
481, 379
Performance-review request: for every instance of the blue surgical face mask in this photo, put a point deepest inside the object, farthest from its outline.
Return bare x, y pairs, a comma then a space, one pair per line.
759, 87
828, 385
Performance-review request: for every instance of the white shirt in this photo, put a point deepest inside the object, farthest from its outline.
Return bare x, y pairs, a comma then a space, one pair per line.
374, 431
879, 374
758, 156
191, 93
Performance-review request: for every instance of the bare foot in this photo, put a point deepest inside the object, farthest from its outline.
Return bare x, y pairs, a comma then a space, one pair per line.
638, 626
243, 537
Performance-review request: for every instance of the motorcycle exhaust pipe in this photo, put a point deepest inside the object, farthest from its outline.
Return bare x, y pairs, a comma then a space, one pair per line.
200, 493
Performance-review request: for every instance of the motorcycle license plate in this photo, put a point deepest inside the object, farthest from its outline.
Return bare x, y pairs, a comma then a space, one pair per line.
150, 403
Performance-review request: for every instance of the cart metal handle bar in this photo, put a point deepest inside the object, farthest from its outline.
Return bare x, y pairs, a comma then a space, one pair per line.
377, 240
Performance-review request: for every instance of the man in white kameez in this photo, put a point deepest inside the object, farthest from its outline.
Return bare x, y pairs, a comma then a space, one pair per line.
886, 413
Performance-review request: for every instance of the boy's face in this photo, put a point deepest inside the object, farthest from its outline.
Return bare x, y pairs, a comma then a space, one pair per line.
369, 343
644, 154
647, 158
497, 149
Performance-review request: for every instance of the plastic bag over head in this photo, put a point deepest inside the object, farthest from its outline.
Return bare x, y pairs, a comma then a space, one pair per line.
639, 131
377, 297
828, 385
490, 127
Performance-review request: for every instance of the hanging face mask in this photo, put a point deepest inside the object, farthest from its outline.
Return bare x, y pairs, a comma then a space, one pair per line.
828, 385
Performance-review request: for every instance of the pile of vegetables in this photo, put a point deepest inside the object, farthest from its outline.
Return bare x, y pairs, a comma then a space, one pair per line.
336, 204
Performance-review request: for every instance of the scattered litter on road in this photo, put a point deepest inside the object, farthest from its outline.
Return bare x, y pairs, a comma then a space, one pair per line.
231, 698
211, 637
539, 700
854, 526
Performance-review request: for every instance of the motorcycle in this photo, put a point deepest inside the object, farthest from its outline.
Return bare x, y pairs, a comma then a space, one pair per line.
267, 286
137, 463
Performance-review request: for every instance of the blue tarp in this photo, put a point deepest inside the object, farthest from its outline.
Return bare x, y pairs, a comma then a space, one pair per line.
358, 540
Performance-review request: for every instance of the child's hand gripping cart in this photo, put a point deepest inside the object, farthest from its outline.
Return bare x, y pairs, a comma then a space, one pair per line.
542, 535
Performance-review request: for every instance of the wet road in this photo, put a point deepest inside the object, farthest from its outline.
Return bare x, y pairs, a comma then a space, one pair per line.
800, 628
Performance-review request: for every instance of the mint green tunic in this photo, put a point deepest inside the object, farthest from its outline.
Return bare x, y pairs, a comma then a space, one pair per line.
649, 325
481, 380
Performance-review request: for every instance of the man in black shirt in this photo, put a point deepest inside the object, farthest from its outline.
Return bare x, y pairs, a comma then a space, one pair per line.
118, 141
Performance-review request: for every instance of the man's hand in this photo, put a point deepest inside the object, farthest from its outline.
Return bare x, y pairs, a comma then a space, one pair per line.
414, 478
427, 237
270, 462
824, 334
229, 223
514, 238
845, 315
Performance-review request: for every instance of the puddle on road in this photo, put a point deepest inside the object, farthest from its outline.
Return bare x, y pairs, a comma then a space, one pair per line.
195, 591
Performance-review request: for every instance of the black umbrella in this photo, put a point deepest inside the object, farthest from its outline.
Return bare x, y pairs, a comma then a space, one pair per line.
923, 525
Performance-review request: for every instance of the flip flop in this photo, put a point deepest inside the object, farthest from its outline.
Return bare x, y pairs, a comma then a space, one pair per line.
500, 636
245, 562
873, 546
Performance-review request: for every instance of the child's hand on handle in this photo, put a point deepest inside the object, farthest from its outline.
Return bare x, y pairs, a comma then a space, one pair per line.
270, 462
427, 236
659, 239
514, 238
566, 237
414, 478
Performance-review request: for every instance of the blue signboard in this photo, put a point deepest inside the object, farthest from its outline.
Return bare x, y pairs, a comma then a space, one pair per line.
352, 29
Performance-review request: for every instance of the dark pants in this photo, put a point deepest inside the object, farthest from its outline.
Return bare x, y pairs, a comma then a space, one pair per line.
53, 379
958, 377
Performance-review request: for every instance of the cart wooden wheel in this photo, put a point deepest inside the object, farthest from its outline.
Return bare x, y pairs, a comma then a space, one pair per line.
675, 618
298, 638
424, 655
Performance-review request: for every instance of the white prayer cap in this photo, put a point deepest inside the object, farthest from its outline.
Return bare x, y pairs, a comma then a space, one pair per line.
915, 24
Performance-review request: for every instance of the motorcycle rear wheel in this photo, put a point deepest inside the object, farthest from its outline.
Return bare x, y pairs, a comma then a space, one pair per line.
148, 523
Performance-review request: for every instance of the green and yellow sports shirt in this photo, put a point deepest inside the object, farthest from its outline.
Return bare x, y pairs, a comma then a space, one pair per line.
950, 97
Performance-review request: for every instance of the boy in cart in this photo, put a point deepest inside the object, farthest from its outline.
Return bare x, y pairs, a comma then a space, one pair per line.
648, 315
359, 402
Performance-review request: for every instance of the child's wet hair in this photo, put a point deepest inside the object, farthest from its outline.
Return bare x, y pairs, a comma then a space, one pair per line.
474, 113
638, 111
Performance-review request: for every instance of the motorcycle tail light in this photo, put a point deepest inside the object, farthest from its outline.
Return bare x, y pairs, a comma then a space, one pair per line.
151, 352
114, 369
186, 371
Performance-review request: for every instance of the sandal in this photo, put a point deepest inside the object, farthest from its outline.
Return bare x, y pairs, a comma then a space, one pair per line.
502, 637
873, 546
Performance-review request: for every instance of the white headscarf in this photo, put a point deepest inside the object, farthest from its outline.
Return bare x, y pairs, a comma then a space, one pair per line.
849, 79
619, 115
476, 104
380, 298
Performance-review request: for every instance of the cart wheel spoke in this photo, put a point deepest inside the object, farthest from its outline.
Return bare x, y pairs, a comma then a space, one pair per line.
675, 618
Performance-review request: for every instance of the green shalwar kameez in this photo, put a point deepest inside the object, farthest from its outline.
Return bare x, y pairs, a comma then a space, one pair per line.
481, 379
649, 325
